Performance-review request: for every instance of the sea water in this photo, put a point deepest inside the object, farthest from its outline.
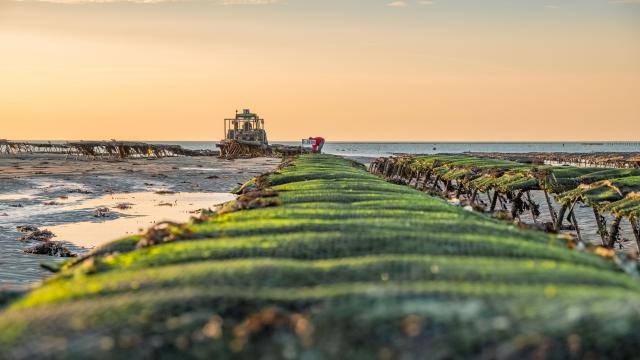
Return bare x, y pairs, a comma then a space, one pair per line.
376, 149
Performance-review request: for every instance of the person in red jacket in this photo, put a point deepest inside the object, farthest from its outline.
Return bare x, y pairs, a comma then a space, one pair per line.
316, 144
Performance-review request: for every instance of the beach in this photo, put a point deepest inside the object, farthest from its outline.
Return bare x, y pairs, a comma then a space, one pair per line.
53, 192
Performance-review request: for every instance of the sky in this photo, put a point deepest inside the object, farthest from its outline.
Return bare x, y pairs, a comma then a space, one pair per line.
347, 70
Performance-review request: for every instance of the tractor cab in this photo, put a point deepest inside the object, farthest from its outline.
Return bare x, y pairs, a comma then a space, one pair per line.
247, 128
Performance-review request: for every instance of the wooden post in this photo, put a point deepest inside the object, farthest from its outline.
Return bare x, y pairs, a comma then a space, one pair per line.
447, 185
503, 205
614, 231
494, 200
459, 191
602, 228
435, 183
473, 197
533, 215
554, 218
411, 175
636, 231
387, 166
575, 224
427, 177
396, 172
573, 205
560, 217
514, 210
417, 176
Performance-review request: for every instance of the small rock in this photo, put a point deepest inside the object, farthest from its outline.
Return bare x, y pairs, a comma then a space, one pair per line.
51, 248
123, 206
165, 192
79, 191
26, 228
38, 235
101, 212
51, 203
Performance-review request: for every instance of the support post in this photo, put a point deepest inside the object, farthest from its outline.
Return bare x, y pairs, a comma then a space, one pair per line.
514, 209
435, 183
503, 204
417, 176
614, 231
473, 197
602, 228
533, 215
411, 175
560, 218
494, 200
427, 177
636, 231
459, 191
554, 218
447, 185
575, 224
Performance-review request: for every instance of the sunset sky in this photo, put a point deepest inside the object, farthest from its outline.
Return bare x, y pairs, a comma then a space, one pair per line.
444, 70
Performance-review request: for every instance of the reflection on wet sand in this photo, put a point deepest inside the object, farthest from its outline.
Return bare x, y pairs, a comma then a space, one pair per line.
143, 210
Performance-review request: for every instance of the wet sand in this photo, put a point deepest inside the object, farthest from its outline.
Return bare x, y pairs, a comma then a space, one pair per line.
61, 195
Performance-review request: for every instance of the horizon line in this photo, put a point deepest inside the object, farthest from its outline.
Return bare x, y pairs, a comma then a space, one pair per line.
373, 141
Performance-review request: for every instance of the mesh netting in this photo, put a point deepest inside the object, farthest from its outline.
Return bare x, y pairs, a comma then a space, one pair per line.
320, 260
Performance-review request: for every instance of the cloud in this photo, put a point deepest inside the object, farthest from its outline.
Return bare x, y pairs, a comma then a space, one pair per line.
399, 3
221, 2
249, 2
624, 1
553, 7
404, 3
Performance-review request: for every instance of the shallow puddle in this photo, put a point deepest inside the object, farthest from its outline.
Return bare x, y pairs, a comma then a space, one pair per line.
199, 169
140, 211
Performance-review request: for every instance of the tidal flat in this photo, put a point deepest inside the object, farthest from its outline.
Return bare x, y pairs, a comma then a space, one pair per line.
64, 195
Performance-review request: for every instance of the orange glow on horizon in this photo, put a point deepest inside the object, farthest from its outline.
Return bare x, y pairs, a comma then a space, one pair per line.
174, 71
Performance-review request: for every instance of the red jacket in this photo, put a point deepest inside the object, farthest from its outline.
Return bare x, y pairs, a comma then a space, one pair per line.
317, 144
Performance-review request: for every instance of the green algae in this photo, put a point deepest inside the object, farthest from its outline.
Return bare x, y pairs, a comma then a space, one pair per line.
605, 189
347, 266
